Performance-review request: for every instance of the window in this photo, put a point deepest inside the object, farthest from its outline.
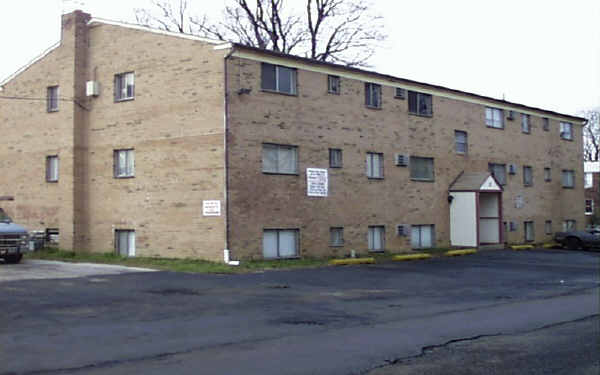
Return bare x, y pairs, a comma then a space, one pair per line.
513, 226
420, 104
400, 93
336, 236
566, 130
422, 236
280, 243
281, 159
494, 117
421, 168
546, 124
527, 176
125, 242
124, 86
333, 85
525, 123
335, 158
278, 79
124, 163
569, 225
589, 207
568, 179
52, 168
499, 172
52, 99
460, 141
529, 231
547, 174
372, 95
548, 227
377, 238
374, 165
588, 181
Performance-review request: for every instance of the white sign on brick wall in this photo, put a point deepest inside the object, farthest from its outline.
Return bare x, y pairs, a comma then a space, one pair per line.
317, 184
211, 208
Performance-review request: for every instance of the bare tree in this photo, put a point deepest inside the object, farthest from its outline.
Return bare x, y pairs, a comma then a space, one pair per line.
591, 135
340, 31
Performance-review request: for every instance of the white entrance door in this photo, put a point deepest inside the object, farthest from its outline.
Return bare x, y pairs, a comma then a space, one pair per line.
489, 218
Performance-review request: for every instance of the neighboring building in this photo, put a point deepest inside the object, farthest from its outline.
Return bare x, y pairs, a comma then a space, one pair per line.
592, 192
162, 144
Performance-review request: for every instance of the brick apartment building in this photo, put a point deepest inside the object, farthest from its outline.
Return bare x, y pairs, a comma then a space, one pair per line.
153, 143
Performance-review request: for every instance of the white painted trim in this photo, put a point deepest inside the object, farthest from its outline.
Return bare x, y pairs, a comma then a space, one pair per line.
96, 21
256, 56
223, 46
25, 67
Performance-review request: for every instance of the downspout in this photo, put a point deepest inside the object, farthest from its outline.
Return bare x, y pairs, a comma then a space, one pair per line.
226, 251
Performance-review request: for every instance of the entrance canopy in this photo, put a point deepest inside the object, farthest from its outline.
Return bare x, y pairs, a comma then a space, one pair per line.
474, 182
475, 210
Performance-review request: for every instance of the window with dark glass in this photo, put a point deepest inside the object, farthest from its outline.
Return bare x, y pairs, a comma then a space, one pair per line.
278, 79
335, 158
52, 99
333, 85
372, 95
420, 104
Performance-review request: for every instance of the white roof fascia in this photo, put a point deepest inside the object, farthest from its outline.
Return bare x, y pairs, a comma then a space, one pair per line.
152, 30
25, 67
223, 46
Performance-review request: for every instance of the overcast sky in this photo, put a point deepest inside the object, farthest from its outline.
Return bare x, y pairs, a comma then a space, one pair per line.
542, 53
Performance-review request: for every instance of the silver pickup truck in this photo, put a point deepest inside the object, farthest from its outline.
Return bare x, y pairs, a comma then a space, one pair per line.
13, 239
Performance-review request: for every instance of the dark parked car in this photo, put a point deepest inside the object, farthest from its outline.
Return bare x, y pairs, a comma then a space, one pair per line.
579, 239
13, 239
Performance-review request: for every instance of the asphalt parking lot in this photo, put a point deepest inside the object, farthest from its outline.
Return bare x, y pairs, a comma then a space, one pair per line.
342, 320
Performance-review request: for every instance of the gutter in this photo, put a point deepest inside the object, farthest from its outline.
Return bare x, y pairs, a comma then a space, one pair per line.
226, 251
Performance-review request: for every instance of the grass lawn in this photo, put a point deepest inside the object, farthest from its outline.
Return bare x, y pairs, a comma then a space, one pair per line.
177, 265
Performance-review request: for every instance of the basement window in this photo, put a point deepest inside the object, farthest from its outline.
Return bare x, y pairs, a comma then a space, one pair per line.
280, 243
529, 231
376, 238
336, 236
125, 242
548, 227
422, 236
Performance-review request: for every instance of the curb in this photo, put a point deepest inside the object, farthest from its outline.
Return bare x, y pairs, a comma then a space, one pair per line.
401, 258
349, 261
454, 253
521, 247
551, 245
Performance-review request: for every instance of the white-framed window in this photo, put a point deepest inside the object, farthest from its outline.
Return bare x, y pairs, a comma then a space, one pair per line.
569, 225
376, 238
422, 236
333, 85
335, 158
568, 178
499, 172
280, 159
546, 124
52, 99
278, 79
548, 227
420, 104
421, 169
525, 123
547, 174
52, 168
336, 236
125, 242
124, 163
400, 93
589, 206
494, 117
124, 86
566, 130
527, 176
280, 243
460, 142
372, 95
588, 180
529, 231
374, 165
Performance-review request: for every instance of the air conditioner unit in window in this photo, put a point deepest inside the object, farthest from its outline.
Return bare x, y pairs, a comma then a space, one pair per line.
401, 160
512, 169
92, 88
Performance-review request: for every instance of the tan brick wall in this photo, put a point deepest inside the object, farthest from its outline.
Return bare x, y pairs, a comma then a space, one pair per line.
175, 124
316, 121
